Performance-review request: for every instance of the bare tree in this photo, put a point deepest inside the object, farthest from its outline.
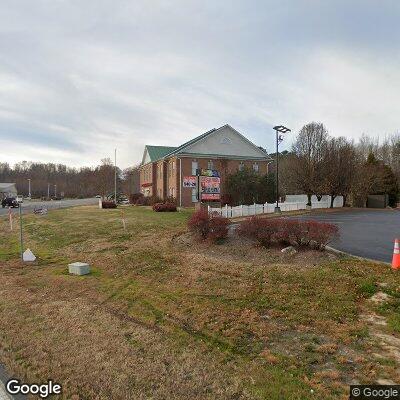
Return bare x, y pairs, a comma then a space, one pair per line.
309, 152
339, 167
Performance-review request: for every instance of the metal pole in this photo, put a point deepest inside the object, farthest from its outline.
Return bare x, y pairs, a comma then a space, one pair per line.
20, 232
55, 190
277, 171
29, 182
115, 176
48, 191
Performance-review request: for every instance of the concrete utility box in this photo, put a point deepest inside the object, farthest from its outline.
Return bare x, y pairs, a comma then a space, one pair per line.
79, 268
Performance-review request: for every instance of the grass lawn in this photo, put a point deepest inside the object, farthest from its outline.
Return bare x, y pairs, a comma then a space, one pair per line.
164, 317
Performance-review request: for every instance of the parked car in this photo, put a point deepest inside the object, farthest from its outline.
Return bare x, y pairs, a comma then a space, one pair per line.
10, 202
97, 196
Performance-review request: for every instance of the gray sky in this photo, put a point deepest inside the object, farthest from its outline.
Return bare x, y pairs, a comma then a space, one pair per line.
78, 78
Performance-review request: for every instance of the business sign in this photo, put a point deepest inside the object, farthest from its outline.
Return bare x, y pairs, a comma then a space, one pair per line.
210, 188
209, 172
190, 182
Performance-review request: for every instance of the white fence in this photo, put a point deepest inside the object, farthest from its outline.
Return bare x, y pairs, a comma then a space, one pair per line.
267, 208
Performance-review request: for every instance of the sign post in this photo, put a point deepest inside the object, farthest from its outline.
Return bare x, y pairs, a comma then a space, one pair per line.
10, 218
20, 232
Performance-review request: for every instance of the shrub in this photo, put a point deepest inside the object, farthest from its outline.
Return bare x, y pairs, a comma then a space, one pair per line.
219, 227
164, 207
171, 200
205, 226
199, 223
108, 204
320, 232
287, 231
263, 230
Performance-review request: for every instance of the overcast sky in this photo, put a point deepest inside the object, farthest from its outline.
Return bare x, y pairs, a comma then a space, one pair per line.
79, 78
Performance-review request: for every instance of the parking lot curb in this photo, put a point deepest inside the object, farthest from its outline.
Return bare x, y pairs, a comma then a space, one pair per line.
343, 253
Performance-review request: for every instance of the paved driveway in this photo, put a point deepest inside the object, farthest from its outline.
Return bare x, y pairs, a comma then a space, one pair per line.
27, 206
363, 232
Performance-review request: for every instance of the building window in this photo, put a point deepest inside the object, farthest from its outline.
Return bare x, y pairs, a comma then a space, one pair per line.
255, 167
241, 166
210, 164
173, 192
195, 166
194, 195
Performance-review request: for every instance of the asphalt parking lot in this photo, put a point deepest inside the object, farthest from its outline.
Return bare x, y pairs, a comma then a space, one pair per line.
368, 233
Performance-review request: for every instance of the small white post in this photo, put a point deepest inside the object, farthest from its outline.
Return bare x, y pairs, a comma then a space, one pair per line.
100, 203
208, 209
241, 210
10, 217
226, 210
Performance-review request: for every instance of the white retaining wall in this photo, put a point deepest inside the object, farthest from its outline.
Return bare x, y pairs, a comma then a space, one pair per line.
293, 198
267, 208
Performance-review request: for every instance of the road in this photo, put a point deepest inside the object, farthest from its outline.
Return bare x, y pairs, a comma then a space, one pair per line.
364, 233
28, 207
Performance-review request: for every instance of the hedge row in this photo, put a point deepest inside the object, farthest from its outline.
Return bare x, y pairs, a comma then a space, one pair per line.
266, 231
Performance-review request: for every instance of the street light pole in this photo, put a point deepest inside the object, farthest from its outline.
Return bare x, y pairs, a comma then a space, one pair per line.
29, 190
280, 130
55, 191
48, 191
115, 176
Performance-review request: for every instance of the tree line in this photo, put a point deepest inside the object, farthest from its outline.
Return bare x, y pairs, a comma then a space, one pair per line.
59, 180
319, 164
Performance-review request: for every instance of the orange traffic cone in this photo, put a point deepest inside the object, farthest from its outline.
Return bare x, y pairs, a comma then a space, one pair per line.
396, 255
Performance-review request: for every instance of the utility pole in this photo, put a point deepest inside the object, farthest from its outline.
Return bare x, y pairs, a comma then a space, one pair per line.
115, 176
29, 190
48, 191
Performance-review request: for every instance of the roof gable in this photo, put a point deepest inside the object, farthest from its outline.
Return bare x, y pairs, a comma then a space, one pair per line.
224, 141
154, 153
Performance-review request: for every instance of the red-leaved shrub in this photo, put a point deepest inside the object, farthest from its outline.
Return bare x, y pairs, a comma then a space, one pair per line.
321, 233
199, 223
219, 227
267, 231
205, 226
108, 204
164, 207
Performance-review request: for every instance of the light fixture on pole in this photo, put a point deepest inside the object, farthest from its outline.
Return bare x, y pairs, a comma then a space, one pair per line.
279, 130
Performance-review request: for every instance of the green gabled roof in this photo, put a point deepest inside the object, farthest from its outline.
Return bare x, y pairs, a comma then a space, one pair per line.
157, 152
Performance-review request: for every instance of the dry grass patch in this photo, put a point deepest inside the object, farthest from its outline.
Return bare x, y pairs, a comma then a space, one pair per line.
163, 316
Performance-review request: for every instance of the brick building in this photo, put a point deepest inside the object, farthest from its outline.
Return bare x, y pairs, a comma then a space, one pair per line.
164, 169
